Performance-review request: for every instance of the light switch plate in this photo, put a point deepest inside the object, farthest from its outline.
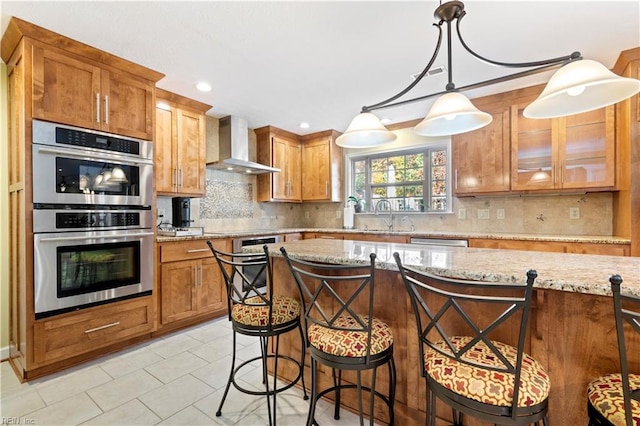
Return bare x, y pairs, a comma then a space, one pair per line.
462, 214
306, 215
483, 214
499, 213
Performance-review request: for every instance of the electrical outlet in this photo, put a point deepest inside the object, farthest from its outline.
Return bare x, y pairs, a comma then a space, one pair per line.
161, 213
306, 215
499, 213
462, 214
338, 214
483, 214
574, 213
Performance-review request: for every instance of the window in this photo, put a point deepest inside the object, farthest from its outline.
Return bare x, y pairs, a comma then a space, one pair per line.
415, 180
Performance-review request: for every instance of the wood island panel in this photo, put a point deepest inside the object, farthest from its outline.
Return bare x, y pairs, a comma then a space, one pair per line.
571, 329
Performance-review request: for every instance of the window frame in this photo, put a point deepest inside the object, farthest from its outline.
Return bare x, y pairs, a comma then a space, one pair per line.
426, 149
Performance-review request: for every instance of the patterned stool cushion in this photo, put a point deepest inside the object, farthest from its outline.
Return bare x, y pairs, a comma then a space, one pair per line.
487, 386
255, 313
350, 343
605, 395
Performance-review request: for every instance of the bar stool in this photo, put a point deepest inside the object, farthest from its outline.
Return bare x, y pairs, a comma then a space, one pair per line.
460, 324
614, 399
253, 313
342, 333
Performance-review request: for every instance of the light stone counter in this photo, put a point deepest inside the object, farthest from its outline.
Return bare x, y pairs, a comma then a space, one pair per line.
579, 273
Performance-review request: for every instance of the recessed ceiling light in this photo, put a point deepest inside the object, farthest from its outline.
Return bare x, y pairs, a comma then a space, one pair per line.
203, 86
304, 125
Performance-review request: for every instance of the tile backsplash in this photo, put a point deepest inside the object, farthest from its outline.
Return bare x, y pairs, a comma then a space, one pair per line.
230, 204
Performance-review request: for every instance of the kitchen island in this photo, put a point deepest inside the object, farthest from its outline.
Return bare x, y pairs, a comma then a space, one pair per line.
572, 330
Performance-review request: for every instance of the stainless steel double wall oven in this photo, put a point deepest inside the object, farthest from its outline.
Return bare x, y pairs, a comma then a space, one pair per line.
92, 218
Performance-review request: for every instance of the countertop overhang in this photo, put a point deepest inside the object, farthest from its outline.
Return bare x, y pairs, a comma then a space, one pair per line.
578, 273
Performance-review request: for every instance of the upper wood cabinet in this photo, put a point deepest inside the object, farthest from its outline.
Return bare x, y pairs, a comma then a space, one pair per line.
281, 149
73, 90
321, 167
481, 158
180, 146
573, 152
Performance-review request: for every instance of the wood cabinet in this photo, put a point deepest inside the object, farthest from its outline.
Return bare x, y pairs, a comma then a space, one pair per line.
191, 284
573, 152
281, 149
180, 149
70, 89
69, 335
52, 77
481, 159
296, 236
321, 167
553, 246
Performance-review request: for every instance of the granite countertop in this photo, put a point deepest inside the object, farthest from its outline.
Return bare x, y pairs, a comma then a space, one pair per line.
580, 273
596, 239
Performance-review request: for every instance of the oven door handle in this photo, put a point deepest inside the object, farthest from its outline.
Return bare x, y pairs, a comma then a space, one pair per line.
101, 158
93, 237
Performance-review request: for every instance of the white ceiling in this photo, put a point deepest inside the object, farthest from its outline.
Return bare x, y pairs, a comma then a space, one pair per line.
281, 63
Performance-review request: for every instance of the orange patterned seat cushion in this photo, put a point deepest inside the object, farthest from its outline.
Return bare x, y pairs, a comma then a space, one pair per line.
483, 385
256, 314
350, 343
605, 395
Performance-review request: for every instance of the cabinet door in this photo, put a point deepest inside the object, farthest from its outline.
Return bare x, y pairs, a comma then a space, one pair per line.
178, 289
587, 149
294, 175
65, 90
191, 153
127, 107
280, 182
211, 291
482, 159
164, 151
533, 147
316, 170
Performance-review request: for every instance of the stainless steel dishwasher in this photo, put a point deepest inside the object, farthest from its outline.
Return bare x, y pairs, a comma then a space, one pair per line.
439, 242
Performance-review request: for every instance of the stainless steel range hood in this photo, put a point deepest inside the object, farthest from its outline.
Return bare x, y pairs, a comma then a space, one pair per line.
233, 157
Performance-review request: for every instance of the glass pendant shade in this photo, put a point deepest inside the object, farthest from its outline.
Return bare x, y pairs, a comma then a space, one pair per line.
452, 113
579, 87
118, 175
365, 131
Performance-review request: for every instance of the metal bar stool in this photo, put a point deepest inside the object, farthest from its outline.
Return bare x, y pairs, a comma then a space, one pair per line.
460, 326
254, 313
614, 399
342, 332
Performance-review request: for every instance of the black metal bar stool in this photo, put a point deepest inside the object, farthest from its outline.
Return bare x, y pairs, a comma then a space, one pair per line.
614, 399
342, 332
460, 324
254, 313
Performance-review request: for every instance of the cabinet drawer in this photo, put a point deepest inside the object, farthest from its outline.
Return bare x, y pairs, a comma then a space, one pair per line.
86, 330
185, 250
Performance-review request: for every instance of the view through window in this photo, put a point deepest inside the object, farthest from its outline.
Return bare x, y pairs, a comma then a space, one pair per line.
412, 181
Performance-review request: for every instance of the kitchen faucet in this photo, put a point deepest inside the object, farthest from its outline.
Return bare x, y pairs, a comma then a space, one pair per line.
405, 218
376, 210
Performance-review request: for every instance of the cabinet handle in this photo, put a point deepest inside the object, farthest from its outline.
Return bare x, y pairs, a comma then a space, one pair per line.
197, 250
106, 109
326, 188
455, 179
555, 171
201, 281
180, 178
562, 172
195, 276
102, 327
98, 107
174, 180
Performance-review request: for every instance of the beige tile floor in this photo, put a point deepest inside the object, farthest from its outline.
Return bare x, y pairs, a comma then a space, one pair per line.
174, 380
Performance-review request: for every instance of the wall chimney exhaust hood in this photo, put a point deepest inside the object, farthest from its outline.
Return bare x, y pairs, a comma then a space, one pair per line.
234, 149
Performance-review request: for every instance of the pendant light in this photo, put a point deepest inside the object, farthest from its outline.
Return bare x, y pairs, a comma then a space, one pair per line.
579, 86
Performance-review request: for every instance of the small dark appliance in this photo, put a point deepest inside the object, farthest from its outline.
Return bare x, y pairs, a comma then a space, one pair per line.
181, 212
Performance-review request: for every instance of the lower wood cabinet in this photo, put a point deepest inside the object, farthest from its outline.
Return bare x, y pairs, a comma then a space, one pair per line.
68, 335
191, 284
553, 246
